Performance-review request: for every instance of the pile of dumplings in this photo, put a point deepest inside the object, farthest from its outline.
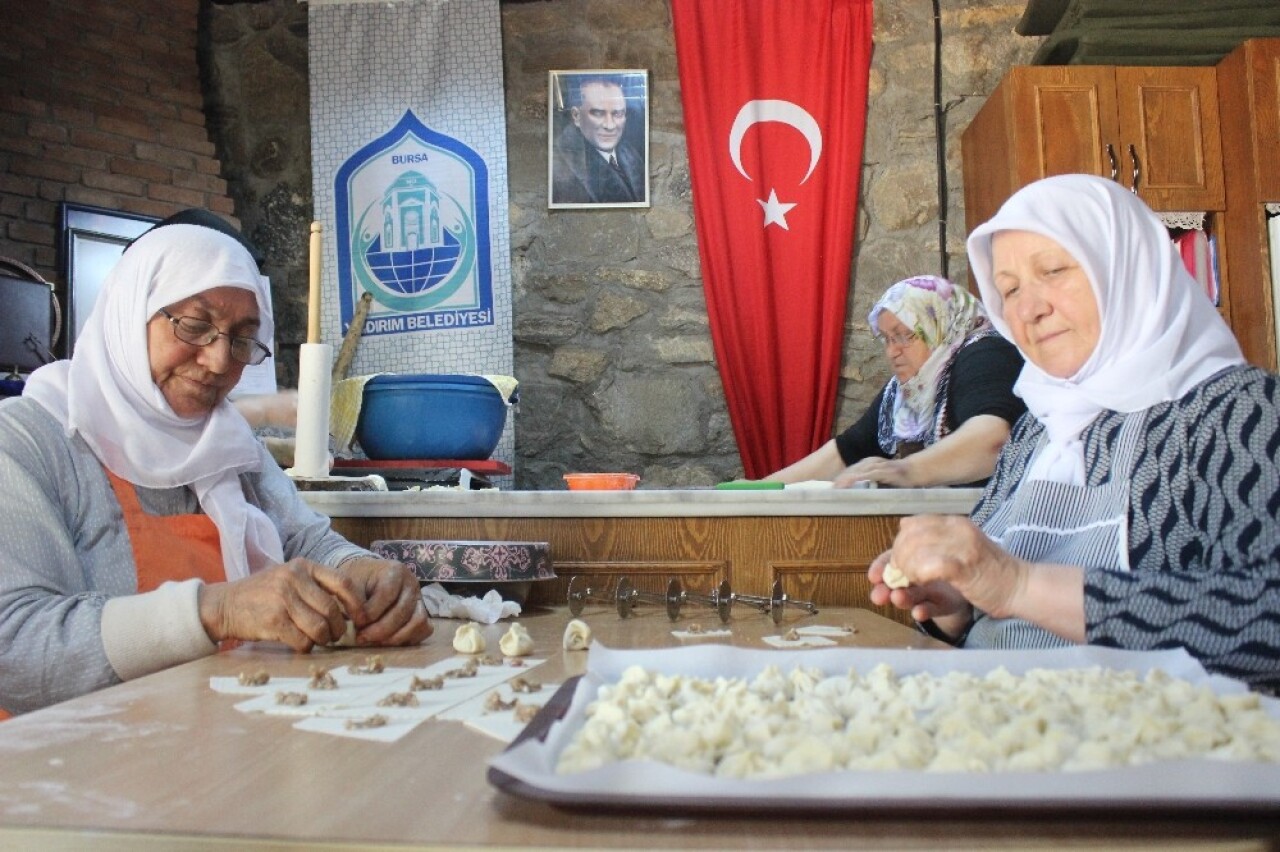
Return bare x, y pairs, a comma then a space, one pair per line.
803, 721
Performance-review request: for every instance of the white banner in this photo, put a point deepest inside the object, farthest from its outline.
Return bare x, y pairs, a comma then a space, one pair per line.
409, 168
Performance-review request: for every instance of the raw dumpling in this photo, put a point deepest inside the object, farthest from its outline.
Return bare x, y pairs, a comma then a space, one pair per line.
348, 638
468, 639
894, 578
516, 642
577, 635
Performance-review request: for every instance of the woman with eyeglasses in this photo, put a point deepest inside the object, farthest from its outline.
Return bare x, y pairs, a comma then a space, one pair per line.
141, 522
947, 410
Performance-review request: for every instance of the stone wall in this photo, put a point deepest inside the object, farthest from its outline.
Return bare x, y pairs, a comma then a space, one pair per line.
254, 58
612, 346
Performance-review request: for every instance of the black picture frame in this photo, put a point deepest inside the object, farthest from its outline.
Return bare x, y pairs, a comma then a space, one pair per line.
92, 240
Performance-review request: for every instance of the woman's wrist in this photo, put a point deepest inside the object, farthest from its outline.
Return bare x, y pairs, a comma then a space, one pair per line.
209, 598
1051, 596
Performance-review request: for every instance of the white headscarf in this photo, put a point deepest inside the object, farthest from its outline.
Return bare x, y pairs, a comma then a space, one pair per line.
105, 392
1160, 335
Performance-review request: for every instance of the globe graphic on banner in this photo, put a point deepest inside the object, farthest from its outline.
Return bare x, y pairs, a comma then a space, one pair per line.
415, 243
414, 270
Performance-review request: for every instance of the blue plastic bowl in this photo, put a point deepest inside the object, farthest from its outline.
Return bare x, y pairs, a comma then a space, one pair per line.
424, 416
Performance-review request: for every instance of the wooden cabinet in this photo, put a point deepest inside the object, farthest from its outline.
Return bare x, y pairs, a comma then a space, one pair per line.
1199, 139
1249, 102
821, 558
1155, 128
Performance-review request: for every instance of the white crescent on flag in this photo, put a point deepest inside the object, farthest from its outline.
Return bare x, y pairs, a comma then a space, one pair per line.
786, 112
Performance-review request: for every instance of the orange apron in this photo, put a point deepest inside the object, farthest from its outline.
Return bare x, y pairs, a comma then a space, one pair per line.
168, 547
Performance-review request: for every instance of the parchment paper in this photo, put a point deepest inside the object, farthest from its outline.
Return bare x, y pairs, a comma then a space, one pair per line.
357, 697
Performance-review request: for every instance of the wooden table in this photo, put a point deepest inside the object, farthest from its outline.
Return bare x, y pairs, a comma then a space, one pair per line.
165, 763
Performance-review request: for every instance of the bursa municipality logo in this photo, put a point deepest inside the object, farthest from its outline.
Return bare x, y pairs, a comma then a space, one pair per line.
413, 230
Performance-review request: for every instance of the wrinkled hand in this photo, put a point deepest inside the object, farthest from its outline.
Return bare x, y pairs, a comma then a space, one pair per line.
300, 603
392, 601
951, 565
893, 472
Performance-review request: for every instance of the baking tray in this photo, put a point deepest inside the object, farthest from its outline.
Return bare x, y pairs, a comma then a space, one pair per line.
1188, 787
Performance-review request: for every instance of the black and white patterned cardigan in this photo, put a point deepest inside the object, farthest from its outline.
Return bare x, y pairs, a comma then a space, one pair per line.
1204, 526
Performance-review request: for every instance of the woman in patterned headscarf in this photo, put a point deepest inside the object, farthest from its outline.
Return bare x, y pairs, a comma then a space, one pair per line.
944, 415
1137, 505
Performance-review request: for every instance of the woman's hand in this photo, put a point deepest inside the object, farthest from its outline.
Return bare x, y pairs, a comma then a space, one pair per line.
303, 604
951, 549
300, 603
953, 567
392, 602
937, 601
897, 473
952, 564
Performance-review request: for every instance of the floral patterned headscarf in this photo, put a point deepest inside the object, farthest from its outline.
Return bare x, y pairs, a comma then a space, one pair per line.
945, 317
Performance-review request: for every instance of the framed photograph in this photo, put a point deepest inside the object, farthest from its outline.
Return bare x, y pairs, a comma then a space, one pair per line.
598, 139
93, 238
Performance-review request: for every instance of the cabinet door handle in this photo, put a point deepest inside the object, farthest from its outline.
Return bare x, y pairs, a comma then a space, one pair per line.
1111, 158
1137, 169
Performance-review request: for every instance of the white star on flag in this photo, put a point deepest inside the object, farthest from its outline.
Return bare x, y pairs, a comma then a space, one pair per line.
775, 212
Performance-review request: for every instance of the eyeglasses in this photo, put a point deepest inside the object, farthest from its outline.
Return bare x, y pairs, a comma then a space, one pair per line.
898, 340
198, 332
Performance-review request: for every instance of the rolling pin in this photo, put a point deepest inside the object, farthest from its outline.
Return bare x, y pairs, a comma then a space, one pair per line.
351, 339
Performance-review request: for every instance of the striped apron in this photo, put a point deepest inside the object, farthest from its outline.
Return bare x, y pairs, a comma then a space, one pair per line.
1044, 521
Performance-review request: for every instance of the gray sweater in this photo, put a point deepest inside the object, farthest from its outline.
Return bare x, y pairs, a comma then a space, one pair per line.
1204, 526
71, 618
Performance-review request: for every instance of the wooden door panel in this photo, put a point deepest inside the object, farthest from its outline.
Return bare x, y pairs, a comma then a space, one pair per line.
1065, 117
1267, 117
701, 551
1071, 132
1169, 129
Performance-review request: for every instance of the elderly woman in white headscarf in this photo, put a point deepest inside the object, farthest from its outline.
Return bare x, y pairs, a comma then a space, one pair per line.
141, 523
944, 414
1137, 505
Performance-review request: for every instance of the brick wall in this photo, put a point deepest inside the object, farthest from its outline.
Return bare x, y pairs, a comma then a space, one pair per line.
100, 104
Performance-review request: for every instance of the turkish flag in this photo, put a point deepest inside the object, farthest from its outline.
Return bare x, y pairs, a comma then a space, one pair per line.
775, 106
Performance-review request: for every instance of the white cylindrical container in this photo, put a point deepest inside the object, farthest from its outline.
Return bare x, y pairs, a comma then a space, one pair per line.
311, 450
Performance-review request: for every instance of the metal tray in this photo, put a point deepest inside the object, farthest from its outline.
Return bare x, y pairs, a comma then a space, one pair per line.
1181, 788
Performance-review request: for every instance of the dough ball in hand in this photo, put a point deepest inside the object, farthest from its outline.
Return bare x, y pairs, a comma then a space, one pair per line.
894, 578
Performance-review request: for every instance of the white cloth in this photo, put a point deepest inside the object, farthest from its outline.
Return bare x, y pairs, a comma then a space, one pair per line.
1160, 335
486, 610
105, 392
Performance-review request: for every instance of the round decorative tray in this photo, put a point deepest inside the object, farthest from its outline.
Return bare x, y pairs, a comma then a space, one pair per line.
471, 568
